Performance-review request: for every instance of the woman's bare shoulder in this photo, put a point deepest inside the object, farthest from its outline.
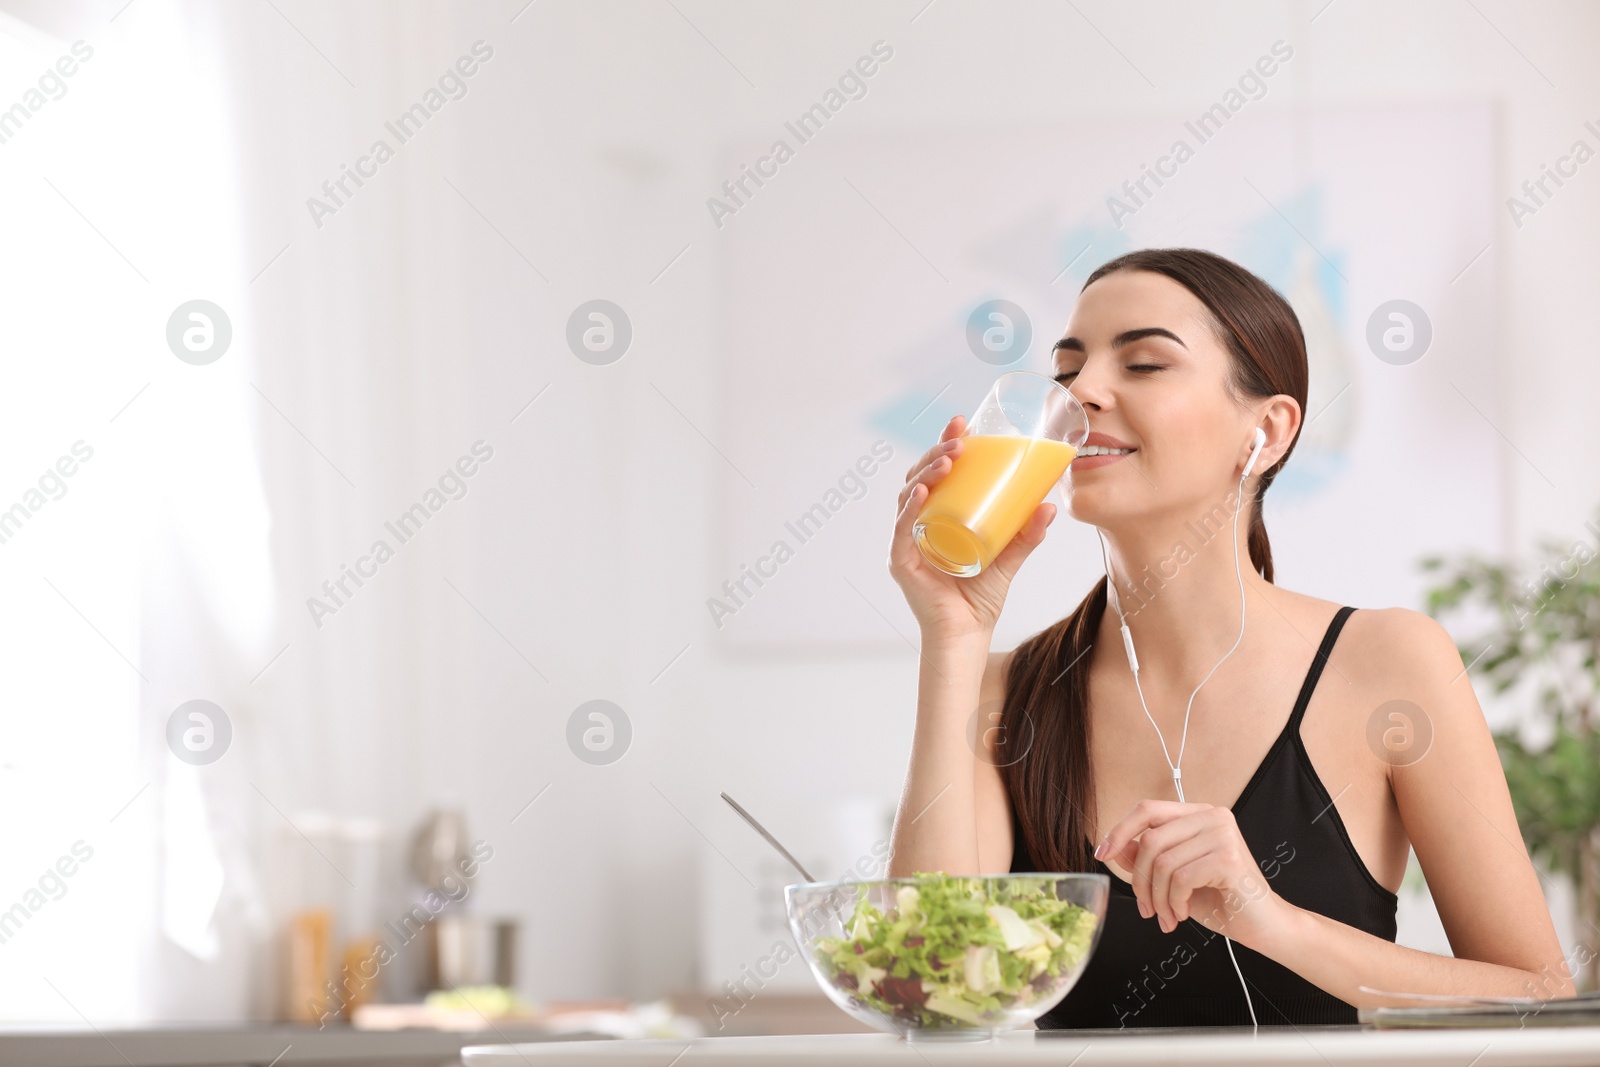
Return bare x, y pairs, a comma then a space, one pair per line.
1387, 644
1365, 626
1388, 648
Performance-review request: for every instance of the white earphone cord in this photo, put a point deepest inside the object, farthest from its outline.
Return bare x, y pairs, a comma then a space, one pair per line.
1133, 664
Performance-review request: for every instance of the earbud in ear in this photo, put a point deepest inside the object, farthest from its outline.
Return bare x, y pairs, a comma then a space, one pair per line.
1255, 450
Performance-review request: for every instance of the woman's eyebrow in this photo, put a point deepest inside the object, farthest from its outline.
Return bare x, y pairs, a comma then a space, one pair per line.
1123, 338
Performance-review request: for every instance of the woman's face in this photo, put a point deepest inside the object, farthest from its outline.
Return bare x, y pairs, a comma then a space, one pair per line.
1142, 357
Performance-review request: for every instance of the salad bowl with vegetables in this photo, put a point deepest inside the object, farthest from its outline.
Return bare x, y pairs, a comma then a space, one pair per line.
949, 955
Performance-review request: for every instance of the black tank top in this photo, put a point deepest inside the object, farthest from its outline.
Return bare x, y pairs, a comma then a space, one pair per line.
1139, 976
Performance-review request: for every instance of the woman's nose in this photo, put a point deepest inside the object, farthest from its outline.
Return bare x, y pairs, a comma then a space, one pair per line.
1089, 386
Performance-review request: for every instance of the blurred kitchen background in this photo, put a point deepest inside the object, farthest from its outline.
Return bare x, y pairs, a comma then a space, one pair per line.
526, 292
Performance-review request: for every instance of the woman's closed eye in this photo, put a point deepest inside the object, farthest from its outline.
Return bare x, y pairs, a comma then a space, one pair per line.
1142, 368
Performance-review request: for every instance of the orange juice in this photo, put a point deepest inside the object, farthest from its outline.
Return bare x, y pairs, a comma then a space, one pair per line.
974, 511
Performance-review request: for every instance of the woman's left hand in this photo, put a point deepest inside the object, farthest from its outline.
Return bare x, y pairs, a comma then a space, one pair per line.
1190, 860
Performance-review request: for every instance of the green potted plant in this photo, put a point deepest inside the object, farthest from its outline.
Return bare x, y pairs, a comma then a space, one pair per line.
1544, 642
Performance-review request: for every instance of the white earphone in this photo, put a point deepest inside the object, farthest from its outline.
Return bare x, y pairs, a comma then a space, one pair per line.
1258, 441
1261, 439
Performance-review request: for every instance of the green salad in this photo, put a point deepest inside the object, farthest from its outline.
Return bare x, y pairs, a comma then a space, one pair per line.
959, 951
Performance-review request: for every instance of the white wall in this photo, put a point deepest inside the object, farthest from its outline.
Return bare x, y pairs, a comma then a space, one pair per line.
413, 323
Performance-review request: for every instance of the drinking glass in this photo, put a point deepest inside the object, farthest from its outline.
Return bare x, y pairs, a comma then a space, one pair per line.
1019, 443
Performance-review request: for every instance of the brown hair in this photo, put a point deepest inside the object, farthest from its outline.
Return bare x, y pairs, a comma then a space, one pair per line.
1045, 713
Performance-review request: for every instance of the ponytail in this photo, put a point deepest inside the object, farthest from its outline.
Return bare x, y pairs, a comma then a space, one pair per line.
1043, 747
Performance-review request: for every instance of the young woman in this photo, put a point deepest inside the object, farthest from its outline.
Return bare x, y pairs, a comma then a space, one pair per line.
1322, 748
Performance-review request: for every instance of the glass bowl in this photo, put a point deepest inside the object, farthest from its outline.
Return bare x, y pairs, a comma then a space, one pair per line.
949, 955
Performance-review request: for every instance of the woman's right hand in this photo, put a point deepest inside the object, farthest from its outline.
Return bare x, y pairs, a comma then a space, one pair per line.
944, 604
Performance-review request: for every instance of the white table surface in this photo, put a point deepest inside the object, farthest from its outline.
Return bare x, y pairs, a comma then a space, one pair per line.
1221, 1047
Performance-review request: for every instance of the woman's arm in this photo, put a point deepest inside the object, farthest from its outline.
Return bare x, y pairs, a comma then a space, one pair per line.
1458, 815
1189, 860
949, 794
1339, 958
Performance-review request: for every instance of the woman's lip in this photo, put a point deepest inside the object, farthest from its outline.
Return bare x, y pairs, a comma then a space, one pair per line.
1088, 463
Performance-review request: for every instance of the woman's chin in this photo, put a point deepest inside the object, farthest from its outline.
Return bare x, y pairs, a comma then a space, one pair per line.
1099, 509
1086, 512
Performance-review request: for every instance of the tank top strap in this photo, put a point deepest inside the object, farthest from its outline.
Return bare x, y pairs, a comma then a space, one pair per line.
1318, 661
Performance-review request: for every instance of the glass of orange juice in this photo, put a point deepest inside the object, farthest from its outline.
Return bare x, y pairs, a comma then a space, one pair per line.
1016, 446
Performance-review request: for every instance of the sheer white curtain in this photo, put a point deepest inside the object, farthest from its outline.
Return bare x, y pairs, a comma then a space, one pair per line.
143, 580
177, 562
361, 404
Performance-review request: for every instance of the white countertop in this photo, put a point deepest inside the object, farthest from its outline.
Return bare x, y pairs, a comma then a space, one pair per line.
1214, 1046
247, 1045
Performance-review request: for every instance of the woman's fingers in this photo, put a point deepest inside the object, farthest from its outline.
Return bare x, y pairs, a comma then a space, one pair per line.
929, 474
947, 447
1144, 815
1189, 877
1151, 870
1143, 822
921, 461
911, 502
940, 462
1030, 537
1164, 893
952, 431
1032, 533
934, 464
